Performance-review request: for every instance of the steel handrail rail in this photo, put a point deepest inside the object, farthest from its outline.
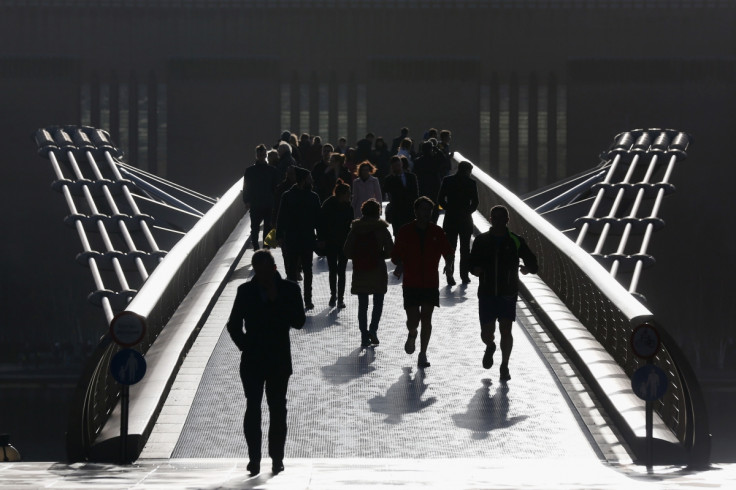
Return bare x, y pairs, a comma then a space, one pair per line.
609, 312
156, 301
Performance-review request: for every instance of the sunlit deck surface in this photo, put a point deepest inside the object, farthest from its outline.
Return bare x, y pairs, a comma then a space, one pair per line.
348, 402
369, 418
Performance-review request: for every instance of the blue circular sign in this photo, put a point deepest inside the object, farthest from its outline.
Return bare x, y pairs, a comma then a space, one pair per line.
649, 382
128, 367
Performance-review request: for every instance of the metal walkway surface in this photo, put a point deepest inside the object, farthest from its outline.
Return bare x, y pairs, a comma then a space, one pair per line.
348, 402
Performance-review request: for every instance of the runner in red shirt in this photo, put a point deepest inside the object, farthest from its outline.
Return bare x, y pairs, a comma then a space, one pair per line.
419, 246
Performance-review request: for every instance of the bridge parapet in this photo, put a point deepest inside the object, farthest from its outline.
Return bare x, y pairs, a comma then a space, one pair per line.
108, 203
610, 313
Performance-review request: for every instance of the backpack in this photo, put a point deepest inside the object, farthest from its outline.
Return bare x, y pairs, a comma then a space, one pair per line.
366, 252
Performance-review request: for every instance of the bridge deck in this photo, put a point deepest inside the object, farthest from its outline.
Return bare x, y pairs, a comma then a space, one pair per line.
347, 402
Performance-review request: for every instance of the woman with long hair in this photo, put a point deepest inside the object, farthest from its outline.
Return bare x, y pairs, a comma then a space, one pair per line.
366, 186
368, 245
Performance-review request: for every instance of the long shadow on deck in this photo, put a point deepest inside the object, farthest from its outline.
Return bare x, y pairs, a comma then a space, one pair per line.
487, 412
402, 397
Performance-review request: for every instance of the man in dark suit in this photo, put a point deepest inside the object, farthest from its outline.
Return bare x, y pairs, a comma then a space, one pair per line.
265, 308
259, 185
401, 187
296, 230
458, 196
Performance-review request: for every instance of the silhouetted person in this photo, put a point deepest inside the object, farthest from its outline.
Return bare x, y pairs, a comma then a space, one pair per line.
364, 147
494, 258
294, 142
342, 146
295, 230
396, 142
305, 151
265, 308
321, 183
315, 152
445, 148
285, 157
336, 170
428, 169
417, 251
368, 245
259, 186
335, 218
459, 198
381, 159
351, 160
406, 151
272, 157
365, 186
402, 190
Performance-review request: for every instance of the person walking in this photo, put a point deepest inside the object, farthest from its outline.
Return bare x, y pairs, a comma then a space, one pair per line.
335, 218
494, 258
259, 186
419, 246
322, 185
369, 244
365, 186
295, 230
458, 196
401, 187
265, 309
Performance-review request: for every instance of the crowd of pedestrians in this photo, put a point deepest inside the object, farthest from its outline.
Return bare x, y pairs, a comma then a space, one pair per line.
327, 199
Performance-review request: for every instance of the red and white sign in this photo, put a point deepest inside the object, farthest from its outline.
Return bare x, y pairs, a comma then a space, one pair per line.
645, 341
127, 328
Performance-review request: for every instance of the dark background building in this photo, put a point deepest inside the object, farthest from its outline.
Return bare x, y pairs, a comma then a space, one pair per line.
533, 90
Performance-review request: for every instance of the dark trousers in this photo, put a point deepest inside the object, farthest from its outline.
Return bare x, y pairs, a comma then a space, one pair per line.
258, 215
276, 386
463, 228
337, 263
375, 314
294, 258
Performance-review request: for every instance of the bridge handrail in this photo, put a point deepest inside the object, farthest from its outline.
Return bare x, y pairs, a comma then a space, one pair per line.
608, 311
97, 393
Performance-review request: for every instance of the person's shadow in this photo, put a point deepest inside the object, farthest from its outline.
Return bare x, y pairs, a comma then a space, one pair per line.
350, 367
451, 297
487, 412
404, 396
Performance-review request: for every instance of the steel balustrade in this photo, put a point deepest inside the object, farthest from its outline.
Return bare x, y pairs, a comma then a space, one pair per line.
87, 249
650, 226
615, 205
74, 145
173, 273
604, 306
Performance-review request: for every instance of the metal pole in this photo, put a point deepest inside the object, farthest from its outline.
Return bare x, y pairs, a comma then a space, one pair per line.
650, 227
614, 209
650, 428
100, 225
124, 403
634, 212
96, 277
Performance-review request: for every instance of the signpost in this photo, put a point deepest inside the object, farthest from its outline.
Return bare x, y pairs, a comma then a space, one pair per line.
128, 366
649, 382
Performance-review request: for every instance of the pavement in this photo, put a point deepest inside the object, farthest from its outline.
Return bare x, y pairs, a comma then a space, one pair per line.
369, 418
